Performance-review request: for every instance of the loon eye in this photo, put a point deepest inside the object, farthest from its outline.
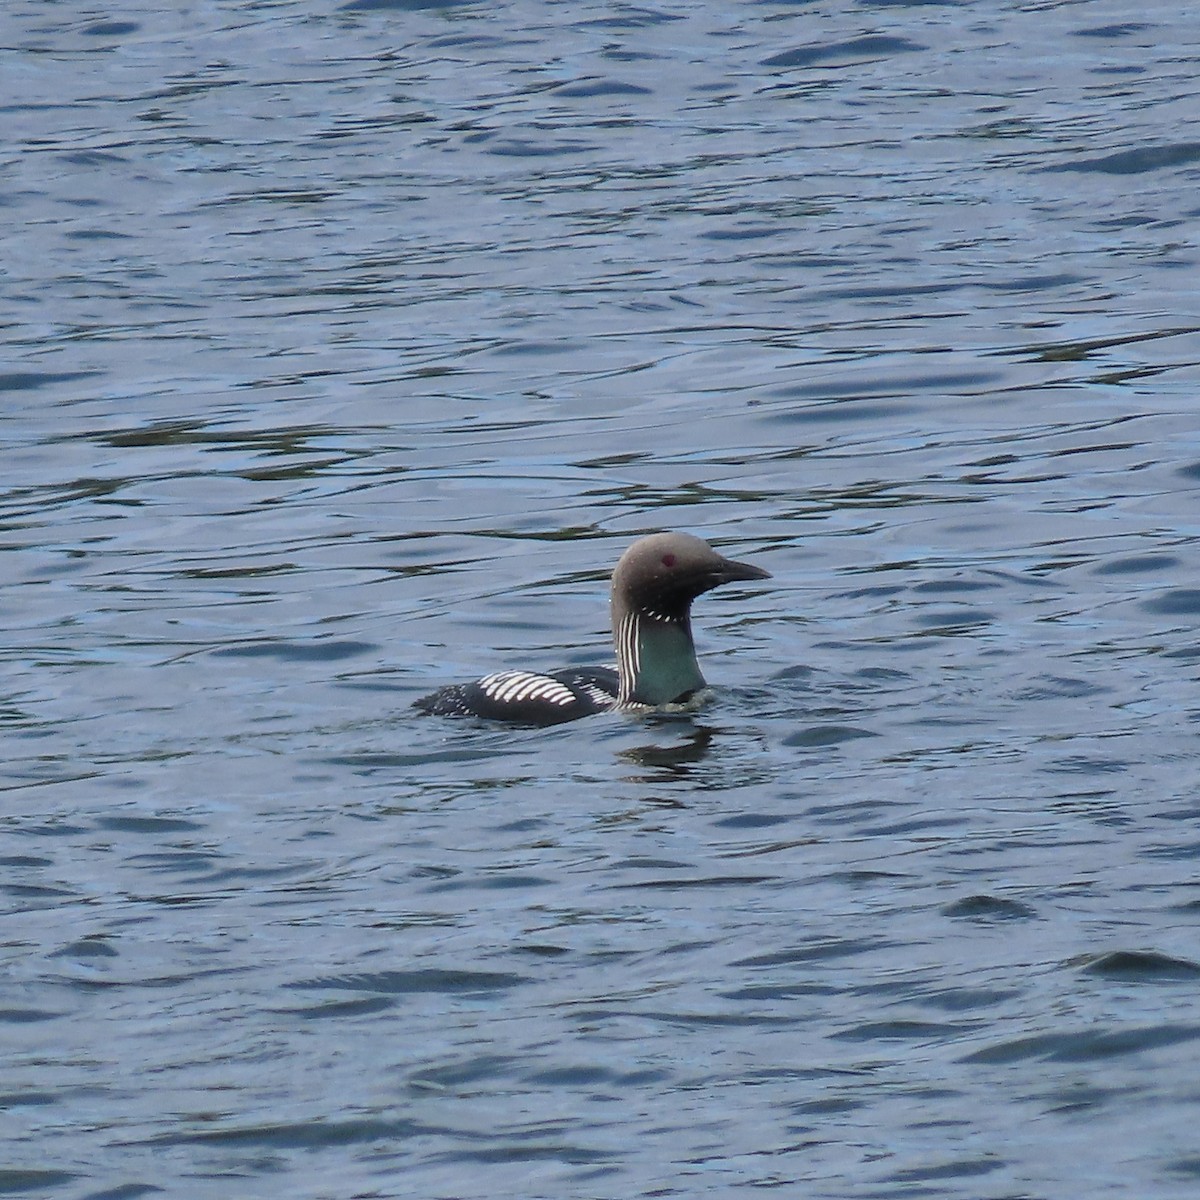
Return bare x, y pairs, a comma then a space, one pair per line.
668, 560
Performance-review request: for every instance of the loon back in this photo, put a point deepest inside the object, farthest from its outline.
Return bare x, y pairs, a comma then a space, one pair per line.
653, 587
528, 698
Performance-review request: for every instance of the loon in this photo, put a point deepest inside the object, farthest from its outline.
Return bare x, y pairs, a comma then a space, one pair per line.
653, 587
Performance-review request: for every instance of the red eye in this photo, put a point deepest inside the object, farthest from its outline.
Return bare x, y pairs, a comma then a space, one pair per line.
668, 560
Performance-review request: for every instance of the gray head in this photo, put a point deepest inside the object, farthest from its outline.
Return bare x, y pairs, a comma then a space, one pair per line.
662, 574
653, 587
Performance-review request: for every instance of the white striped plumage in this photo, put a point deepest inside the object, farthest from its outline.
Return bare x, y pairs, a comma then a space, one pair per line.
629, 655
517, 687
598, 695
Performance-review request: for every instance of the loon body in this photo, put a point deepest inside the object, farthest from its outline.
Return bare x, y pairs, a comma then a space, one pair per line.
653, 587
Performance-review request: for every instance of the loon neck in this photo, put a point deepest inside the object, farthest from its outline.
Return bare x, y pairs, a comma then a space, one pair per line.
656, 659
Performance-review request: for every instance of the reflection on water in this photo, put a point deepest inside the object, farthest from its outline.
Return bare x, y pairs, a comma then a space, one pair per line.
664, 762
345, 352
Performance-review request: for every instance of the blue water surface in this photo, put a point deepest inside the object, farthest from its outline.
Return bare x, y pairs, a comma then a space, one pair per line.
345, 348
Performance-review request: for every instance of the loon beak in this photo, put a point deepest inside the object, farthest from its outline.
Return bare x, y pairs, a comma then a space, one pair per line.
728, 571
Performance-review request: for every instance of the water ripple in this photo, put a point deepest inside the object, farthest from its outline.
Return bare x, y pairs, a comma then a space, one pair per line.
347, 347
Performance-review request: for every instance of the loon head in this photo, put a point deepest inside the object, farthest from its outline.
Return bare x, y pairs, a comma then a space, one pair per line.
653, 587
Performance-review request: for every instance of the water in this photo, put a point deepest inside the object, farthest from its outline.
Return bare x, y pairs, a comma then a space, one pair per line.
346, 349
